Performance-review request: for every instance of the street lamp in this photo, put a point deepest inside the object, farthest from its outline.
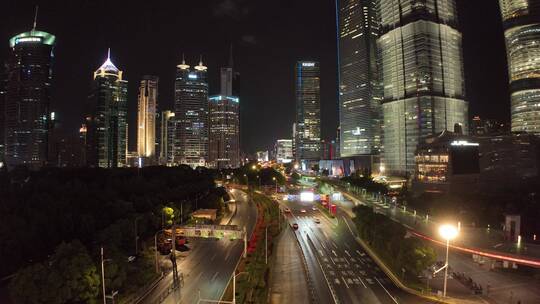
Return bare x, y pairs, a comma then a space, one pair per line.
103, 275
448, 232
155, 243
234, 285
275, 180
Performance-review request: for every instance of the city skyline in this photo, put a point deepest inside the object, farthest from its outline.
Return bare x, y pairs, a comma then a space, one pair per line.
248, 60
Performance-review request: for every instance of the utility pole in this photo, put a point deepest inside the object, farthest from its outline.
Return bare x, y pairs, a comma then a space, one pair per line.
103, 276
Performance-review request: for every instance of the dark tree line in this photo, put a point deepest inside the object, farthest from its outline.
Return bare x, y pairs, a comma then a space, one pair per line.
43, 213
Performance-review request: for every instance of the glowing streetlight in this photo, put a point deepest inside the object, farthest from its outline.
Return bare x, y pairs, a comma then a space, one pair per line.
448, 232
253, 167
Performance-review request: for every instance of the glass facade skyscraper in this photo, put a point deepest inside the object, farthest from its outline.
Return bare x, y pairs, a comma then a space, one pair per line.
107, 122
308, 111
146, 118
422, 74
360, 91
191, 115
224, 147
28, 98
521, 20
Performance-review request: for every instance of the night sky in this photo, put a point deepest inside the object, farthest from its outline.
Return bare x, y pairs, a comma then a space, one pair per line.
149, 37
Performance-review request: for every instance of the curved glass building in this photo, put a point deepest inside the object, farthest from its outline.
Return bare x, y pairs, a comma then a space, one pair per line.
27, 99
521, 20
421, 65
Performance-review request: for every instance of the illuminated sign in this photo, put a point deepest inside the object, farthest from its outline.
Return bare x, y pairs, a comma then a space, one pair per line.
192, 76
27, 39
307, 197
308, 64
463, 143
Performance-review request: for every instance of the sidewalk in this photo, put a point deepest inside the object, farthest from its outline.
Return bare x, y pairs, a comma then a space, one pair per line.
288, 280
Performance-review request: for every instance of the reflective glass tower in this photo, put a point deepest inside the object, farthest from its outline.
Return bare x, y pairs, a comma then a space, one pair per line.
360, 92
521, 20
28, 98
146, 118
421, 68
107, 122
308, 111
191, 115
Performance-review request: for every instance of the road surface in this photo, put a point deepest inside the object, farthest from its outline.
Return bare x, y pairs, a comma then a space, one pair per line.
210, 263
337, 261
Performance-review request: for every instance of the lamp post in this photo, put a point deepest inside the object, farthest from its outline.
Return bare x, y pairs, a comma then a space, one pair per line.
234, 285
448, 232
275, 180
155, 244
103, 275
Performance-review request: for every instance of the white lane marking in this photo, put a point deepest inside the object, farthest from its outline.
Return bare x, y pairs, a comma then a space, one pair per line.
213, 257
348, 226
345, 282
214, 276
393, 299
323, 245
335, 245
347, 253
334, 252
321, 253
332, 260
362, 281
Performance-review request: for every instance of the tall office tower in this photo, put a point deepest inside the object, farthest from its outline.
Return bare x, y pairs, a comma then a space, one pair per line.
521, 20
167, 130
224, 147
28, 97
106, 124
146, 119
191, 115
224, 119
360, 91
308, 111
422, 73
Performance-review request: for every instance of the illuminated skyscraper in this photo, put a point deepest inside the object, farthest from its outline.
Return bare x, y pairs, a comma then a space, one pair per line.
224, 120
224, 148
521, 20
191, 115
106, 124
167, 132
308, 111
146, 119
27, 98
360, 92
422, 73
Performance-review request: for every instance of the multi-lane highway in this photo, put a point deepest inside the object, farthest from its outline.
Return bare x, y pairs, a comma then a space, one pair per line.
210, 263
341, 270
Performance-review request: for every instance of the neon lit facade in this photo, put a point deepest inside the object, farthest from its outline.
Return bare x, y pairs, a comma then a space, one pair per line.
146, 118
521, 20
360, 91
27, 99
422, 74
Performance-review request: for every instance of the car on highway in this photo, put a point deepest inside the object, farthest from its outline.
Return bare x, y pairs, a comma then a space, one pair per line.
287, 210
314, 208
295, 226
303, 211
317, 221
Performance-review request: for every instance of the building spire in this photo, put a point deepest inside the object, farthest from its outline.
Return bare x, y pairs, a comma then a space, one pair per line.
109, 54
183, 65
231, 56
201, 66
35, 18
